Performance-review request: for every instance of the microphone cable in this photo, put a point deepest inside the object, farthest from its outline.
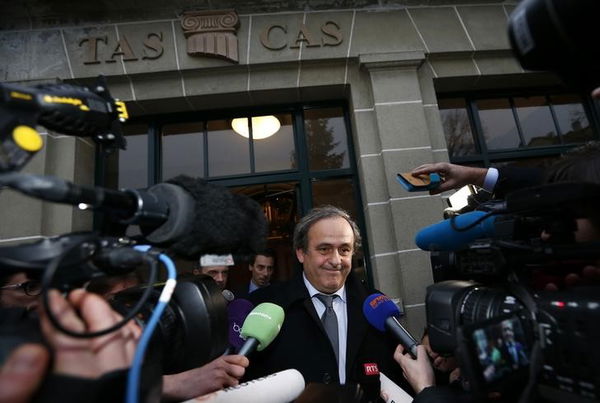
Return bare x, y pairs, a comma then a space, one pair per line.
134, 374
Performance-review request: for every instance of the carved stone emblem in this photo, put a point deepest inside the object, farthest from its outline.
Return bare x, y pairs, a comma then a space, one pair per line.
211, 33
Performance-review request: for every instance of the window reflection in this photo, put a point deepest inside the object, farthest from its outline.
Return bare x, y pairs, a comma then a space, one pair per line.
228, 152
279, 203
457, 128
536, 121
498, 123
572, 120
326, 138
129, 168
276, 152
183, 150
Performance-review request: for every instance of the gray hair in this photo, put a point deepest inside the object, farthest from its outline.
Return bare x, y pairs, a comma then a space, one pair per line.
318, 214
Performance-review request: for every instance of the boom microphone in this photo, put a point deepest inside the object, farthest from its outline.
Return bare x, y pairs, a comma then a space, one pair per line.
237, 312
261, 326
443, 237
280, 387
190, 216
383, 314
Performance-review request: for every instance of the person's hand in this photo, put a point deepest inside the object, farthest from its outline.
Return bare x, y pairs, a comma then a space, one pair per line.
419, 372
453, 176
87, 358
22, 373
439, 362
589, 275
222, 372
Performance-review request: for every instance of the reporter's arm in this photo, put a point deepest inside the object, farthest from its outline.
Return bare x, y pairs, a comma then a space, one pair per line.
419, 372
222, 372
454, 176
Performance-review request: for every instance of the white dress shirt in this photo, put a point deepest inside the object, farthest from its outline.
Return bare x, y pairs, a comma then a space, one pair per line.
339, 306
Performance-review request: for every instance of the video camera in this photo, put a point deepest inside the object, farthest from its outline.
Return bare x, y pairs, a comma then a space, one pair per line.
502, 249
192, 327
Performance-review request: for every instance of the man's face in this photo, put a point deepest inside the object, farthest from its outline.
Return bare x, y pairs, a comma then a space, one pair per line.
328, 260
218, 273
16, 297
508, 333
261, 270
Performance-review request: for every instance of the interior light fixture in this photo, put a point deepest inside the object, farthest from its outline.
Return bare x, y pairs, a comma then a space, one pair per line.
262, 126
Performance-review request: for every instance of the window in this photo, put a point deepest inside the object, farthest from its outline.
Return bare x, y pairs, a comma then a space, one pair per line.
303, 160
528, 129
129, 168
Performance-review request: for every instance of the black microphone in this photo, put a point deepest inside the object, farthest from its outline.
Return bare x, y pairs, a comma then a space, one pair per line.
228, 295
368, 379
190, 216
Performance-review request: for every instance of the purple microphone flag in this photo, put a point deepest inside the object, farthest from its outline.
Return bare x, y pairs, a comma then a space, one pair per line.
238, 310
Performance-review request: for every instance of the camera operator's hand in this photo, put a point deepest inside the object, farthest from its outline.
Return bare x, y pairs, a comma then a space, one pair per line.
454, 176
222, 372
419, 372
439, 362
22, 373
87, 358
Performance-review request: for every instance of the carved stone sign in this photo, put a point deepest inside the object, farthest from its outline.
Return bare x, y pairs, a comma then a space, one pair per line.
329, 34
100, 49
212, 33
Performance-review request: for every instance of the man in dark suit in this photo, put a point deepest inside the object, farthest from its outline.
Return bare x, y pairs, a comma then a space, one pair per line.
325, 335
261, 269
512, 351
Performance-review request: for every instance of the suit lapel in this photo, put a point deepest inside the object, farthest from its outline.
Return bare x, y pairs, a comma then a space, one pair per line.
357, 327
298, 292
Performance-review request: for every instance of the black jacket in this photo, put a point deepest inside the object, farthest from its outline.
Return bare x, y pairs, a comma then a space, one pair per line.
514, 178
303, 344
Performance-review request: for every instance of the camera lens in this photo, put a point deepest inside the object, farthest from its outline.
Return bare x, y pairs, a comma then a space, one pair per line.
193, 328
481, 303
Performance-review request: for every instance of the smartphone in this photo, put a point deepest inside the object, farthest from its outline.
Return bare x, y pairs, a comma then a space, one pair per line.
419, 184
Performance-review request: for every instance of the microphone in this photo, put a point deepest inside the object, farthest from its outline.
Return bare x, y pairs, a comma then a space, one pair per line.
280, 387
383, 314
261, 326
442, 237
237, 312
190, 216
228, 295
368, 379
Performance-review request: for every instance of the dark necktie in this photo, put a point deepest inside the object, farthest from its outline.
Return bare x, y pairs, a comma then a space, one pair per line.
329, 320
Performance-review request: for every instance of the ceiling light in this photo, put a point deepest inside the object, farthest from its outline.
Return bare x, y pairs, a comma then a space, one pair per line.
262, 126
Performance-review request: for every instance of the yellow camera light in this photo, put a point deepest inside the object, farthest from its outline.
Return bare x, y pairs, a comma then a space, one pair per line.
27, 138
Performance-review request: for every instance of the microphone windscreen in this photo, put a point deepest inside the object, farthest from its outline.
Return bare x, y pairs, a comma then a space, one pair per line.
263, 324
442, 237
223, 222
377, 308
280, 387
237, 311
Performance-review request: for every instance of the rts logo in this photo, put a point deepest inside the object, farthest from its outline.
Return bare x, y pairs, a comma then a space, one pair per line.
371, 368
